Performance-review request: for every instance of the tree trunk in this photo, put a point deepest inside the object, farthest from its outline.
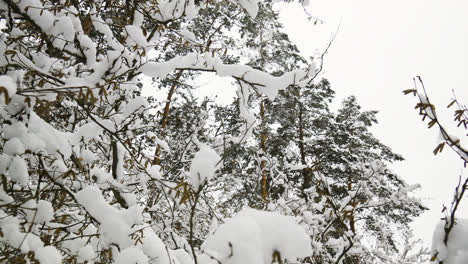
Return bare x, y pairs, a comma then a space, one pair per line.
305, 171
262, 146
156, 159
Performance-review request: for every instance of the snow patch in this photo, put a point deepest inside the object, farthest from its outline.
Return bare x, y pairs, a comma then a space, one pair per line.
48, 255
18, 171
253, 236
456, 250
203, 166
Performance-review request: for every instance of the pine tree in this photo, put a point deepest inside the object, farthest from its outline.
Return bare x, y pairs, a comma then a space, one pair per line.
334, 174
343, 172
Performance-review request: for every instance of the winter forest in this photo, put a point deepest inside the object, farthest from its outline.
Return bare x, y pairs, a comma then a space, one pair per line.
94, 171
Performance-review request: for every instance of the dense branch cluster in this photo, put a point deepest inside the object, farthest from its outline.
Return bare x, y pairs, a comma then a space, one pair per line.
92, 171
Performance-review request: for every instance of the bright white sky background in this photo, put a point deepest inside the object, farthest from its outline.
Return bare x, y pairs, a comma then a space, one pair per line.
380, 46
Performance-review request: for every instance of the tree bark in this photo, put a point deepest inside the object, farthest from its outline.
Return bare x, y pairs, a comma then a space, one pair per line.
156, 159
305, 171
263, 148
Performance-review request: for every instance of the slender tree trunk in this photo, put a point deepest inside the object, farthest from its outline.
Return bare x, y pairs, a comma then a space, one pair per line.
305, 171
263, 147
351, 215
262, 131
156, 159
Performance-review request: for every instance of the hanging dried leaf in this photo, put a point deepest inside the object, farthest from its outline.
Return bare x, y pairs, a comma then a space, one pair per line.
432, 123
87, 24
5, 94
439, 148
454, 101
408, 91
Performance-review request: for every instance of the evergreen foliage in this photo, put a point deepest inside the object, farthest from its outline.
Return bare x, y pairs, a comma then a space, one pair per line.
92, 171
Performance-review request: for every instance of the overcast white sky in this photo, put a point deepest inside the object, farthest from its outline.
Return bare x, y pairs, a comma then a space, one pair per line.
380, 47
